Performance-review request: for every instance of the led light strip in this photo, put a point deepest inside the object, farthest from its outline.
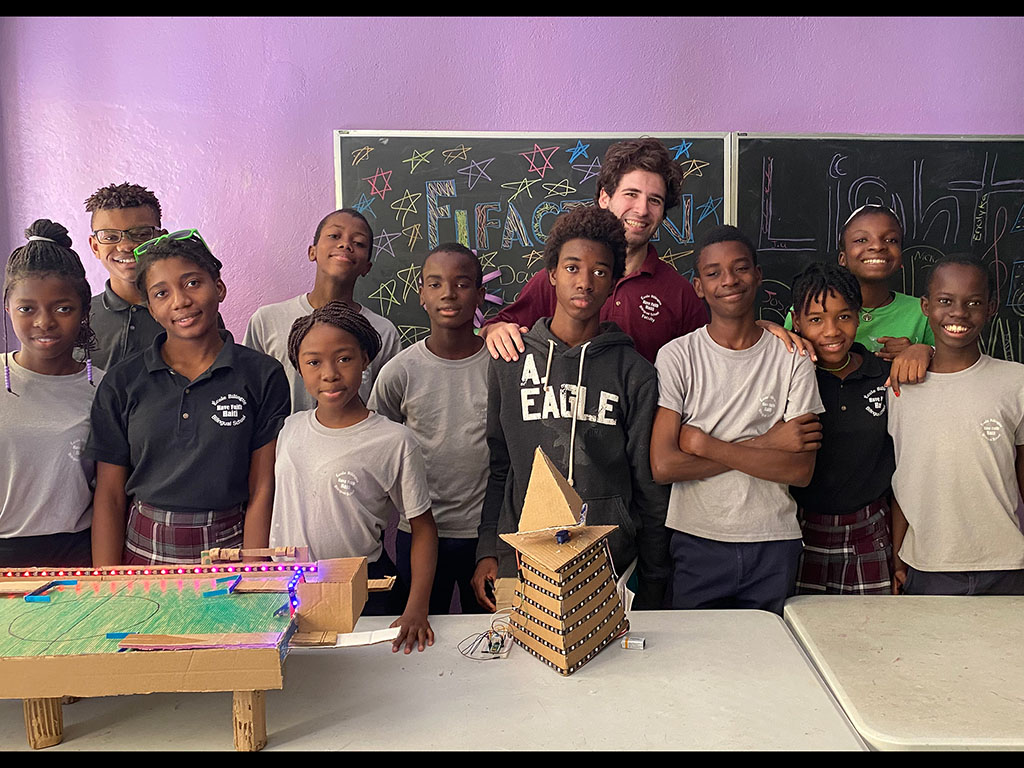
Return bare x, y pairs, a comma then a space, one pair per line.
157, 571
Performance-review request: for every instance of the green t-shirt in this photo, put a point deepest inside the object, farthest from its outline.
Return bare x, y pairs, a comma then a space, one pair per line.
901, 317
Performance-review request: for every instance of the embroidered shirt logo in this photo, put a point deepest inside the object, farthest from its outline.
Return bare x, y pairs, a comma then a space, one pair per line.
650, 307
345, 483
991, 430
875, 401
768, 405
229, 411
75, 449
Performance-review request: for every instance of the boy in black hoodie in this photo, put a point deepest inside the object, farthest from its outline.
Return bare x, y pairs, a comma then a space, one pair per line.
600, 440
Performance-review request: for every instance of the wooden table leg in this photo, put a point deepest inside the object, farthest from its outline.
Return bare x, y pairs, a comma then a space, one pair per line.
249, 713
44, 722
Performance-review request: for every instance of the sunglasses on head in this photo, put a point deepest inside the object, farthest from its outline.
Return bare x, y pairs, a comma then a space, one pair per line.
872, 207
181, 234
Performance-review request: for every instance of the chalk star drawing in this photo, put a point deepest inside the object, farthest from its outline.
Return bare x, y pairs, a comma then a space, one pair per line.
382, 243
413, 233
693, 166
476, 171
577, 151
364, 204
418, 159
381, 175
487, 259
1018, 225
533, 257
671, 257
590, 170
682, 148
410, 334
385, 294
456, 153
405, 205
410, 280
361, 154
520, 187
545, 154
710, 208
562, 188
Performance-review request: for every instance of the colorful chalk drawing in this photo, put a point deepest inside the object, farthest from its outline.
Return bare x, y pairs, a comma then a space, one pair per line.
710, 208
1018, 224
515, 229
671, 257
545, 155
532, 258
693, 167
364, 205
413, 233
380, 175
560, 189
476, 171
435, 191
410, 334
456, 153
361, 154
405, 205
580, 150
520, 187
410, 277
682, 148
589, 171
385, 294
382, 242
418, 159
485, 222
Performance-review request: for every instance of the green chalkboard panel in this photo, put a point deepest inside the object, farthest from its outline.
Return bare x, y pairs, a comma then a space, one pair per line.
953, 194
498, 193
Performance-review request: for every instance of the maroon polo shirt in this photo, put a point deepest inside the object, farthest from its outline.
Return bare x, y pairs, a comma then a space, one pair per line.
653, 305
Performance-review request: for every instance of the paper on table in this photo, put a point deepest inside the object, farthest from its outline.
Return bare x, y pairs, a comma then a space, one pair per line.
352, 639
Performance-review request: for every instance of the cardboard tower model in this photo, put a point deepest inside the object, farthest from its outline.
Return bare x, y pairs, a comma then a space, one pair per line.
568, 607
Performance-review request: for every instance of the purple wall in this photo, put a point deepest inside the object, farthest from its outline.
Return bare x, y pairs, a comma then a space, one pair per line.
230, 121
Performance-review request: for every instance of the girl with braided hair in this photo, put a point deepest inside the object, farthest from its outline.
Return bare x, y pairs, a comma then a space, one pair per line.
45, 484
342, 470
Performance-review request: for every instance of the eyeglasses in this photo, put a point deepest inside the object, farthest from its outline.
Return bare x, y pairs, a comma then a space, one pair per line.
135, 234
181, 234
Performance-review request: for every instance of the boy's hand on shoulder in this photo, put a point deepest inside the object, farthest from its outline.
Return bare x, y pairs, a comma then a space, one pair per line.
504, 340
414, 630
892, 346
486, 570
797, 435
909, 367
793, 341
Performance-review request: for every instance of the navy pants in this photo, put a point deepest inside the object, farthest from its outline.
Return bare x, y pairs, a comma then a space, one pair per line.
456, 562
390, 603
728, 574
964, 582
67, 549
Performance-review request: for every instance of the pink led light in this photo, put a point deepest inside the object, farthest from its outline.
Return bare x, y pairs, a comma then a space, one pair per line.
41, 573
214, 570
197, 570
181, 570
95, 573
163, 571
129, 572
60, 573
280, 567
26, 573
231, 569
146, 572
263, 567
248, 568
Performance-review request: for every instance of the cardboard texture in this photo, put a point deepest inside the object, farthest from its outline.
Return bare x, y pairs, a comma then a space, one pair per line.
247, 663
225, 555
566, 606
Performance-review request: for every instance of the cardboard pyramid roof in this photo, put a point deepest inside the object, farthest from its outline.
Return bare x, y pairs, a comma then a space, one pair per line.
550, 500
552, 503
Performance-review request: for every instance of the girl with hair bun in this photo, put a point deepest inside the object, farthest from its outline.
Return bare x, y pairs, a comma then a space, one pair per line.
45, 483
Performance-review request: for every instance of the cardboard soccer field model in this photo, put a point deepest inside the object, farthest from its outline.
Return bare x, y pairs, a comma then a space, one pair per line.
208, 627
567, 608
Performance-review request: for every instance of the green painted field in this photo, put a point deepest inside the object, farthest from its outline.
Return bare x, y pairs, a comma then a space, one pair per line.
78, 618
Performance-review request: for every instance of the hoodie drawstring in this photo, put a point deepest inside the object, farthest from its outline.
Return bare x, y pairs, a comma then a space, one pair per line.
575, 410
547, 368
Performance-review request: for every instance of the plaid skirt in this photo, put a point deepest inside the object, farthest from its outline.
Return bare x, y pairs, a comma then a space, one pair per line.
156, 536
846, 554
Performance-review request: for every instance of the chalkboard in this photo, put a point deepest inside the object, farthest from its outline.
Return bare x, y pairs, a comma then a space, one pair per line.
952, 194
498, 193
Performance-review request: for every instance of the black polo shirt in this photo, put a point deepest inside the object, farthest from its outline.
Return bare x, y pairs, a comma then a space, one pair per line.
855, 463
187, 445
122, 329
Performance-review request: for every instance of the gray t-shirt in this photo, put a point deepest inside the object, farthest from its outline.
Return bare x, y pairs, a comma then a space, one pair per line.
444, 403
956, 438
336, 489
268, 331
46, 484
734, 395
